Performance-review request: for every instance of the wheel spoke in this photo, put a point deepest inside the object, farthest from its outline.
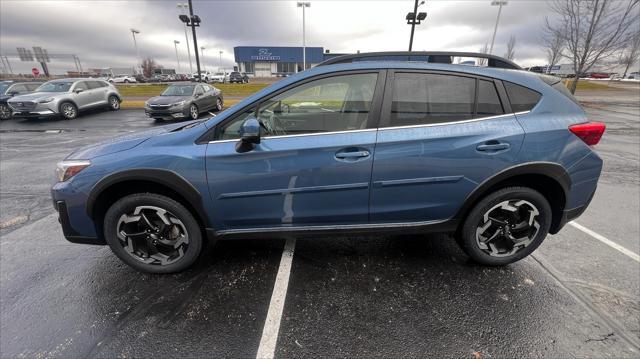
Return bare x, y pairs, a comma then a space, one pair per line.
513, 226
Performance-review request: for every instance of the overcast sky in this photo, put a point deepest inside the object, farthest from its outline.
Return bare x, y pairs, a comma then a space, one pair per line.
98, 31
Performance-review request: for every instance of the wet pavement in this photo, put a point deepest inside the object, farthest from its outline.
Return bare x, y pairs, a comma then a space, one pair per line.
349, 297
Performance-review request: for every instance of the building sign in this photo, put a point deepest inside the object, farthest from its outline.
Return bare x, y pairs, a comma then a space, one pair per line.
265, 55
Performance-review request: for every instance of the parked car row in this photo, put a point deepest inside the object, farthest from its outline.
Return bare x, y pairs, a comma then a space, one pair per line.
221, 77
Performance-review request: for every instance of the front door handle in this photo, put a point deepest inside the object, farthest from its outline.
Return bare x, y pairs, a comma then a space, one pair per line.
352, 154
493, 146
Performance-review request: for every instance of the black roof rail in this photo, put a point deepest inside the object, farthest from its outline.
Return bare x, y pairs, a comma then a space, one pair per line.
440, 57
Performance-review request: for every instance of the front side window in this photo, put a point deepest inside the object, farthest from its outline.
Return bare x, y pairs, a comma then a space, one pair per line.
340, 103
19, 88
82, 85
431, 98
55, 87
178, 90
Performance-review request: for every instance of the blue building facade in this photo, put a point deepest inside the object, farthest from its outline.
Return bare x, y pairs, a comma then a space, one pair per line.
266, 61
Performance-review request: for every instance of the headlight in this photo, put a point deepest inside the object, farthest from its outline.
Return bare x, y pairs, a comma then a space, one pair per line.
146, 105
69, 168
45, 100
178, 104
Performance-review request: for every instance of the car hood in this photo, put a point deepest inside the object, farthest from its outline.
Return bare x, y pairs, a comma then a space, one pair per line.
123, 143
34, 96
166, 100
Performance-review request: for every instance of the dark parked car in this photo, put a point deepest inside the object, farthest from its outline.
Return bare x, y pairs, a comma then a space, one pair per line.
8, 89
238, 77
184, 102
496, 156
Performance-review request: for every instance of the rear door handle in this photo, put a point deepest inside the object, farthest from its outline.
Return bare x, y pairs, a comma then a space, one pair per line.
355, 154
493, 146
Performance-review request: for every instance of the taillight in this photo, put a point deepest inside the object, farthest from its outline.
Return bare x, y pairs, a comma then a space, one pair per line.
589, 132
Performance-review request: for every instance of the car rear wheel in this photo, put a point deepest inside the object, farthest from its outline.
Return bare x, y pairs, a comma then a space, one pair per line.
193, 111
5, 112
506, 226
219, 104
153, 233
68, 110
114, 103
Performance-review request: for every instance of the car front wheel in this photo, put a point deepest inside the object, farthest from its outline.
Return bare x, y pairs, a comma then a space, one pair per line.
193, 112
506, 226
68, 110
5, 112
153, 233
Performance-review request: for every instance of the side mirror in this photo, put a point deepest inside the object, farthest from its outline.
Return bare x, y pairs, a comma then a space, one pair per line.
249, 135
78, 90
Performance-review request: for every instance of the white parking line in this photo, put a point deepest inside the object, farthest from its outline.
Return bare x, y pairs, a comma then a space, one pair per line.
606, 241
267, 347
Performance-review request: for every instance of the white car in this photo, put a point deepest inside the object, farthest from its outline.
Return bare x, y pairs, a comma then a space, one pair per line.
122, 79
220, 77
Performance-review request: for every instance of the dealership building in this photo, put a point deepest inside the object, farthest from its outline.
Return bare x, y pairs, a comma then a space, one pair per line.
267, 61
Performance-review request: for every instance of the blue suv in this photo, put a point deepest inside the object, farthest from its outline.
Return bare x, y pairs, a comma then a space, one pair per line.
368, 143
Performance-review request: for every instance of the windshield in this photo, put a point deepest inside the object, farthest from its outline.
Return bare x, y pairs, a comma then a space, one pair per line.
55, 87
179, 90
4, 87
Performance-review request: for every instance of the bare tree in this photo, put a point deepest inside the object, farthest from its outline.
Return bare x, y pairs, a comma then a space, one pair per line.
596, 29
148, 65
630, 54
553, 42
511, 48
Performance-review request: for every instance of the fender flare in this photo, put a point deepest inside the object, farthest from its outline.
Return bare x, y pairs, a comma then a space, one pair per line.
162, 177
549, 169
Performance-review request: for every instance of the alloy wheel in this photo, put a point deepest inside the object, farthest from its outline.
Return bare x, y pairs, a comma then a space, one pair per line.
153, 235
5, 112
115, 104
69, 111
507, 228
219, 104
193, 110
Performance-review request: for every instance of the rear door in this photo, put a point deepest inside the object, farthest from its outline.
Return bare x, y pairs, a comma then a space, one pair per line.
441, 135
311, 171
82, 95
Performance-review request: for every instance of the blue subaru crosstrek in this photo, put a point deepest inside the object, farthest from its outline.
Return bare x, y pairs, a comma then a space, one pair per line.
370, 143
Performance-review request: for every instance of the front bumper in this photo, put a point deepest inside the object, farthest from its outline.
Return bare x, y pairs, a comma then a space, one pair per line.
67, 230
77, 226
39, 110
169, 113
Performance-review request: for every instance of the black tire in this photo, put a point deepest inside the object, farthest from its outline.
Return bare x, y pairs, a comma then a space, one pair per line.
126, 81
68, 110
183, 257
5, 112
159, 119
114, 103
194, 112
527, 202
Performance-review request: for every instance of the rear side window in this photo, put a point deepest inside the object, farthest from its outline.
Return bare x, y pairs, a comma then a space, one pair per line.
96, 84
521, 98
431, 98
488, 100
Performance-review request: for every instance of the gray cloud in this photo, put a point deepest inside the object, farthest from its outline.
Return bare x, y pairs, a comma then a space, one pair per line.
98, 31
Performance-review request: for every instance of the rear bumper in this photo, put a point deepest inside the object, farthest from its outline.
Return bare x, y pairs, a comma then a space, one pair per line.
569, 215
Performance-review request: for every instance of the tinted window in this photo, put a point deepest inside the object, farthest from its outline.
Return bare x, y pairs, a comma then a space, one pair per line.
339, 103
431, 98
19, 88
199, 90
96, 84
55, 86
521, 98
488, 100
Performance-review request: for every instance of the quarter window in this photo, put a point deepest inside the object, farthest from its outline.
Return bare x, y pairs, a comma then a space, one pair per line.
488, 100
521, 98
339, 103
431, 98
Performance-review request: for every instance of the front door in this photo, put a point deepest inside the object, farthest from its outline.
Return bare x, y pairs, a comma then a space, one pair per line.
313, 165
441, 135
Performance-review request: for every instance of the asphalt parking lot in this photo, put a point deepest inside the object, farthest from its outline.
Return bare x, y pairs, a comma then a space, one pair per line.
410, 296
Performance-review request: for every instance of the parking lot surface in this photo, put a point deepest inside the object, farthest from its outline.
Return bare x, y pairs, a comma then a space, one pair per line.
577, 296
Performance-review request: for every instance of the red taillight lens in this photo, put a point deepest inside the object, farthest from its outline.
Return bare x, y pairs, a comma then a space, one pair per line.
589, 132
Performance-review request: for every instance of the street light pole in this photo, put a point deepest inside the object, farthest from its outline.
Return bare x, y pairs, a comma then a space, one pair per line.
175, 43
498, 3
135, 44
304, 5
195, 39
186, 37
413, 18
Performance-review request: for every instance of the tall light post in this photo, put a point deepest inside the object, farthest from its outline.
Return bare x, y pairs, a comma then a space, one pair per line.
193, 21
202, 57
220, 63
415, 18
304, 5
175, 44
184, 6
135, 44
499, 4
